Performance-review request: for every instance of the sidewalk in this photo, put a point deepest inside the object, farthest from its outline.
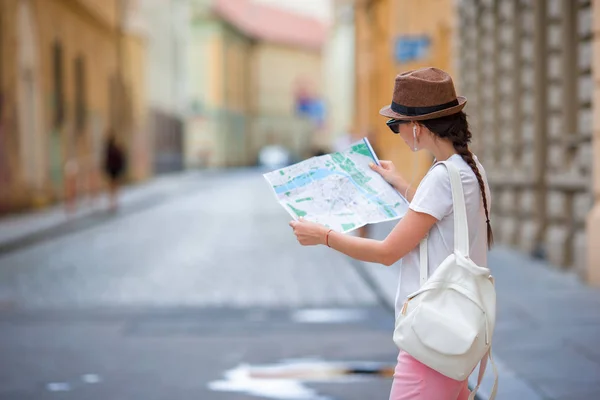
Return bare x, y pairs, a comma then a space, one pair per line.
20, 229
547, 338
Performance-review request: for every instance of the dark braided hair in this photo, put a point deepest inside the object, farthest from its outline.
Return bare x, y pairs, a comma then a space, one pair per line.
455, 128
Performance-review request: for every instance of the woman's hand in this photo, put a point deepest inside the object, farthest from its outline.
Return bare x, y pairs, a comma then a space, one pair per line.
309, 233
387, 170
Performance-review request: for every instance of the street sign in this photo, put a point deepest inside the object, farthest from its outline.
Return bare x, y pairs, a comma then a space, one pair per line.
411, 48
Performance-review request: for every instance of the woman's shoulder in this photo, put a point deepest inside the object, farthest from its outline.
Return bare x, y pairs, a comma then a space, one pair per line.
439, 171
465, 167
437, 177
439, 174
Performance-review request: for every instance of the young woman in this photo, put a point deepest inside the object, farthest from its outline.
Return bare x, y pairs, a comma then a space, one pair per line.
427, 115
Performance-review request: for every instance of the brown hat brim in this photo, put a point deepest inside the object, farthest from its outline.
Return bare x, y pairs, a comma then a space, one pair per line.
387, 112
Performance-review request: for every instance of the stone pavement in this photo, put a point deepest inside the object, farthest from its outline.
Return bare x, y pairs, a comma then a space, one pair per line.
159, 302
547, 339
197, 247
22, 229
200, 247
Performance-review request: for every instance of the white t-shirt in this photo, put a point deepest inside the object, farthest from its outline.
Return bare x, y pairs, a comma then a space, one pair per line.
434, 197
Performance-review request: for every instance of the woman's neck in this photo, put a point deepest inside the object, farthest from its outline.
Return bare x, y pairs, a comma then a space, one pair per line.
442, 150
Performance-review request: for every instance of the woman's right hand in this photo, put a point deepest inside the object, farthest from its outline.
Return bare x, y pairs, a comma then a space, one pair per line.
387, 170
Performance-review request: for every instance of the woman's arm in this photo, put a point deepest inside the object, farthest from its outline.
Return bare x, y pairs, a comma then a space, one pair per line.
387, 170
407, 193
405, 236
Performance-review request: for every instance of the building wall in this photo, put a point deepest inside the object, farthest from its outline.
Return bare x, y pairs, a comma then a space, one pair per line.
37, 36
202, 124
168, 36
141, 139
105, 12
593, 220
15, 180
243, 93
379, 24
278, 70
339, 74
526, 67
77, 34
235, 116
167, 79
217, 131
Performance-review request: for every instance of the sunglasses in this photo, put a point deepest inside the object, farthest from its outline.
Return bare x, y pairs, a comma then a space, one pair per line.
394, 124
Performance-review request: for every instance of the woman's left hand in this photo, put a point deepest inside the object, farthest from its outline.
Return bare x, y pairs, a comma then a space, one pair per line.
309, 233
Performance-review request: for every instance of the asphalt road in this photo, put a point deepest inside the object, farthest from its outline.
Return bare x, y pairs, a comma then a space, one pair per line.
202, 295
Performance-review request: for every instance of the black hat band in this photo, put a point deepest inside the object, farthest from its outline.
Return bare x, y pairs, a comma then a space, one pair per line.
417, 111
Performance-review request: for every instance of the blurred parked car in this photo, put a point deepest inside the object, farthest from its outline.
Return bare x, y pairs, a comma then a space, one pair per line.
274, 157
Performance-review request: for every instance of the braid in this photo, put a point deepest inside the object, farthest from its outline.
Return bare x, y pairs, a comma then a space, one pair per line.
465, 153
456, 129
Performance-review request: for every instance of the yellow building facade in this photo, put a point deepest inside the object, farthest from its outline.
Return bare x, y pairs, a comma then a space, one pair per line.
244, 87
218, 125
393, 36
70, 70
530, 69
277, 71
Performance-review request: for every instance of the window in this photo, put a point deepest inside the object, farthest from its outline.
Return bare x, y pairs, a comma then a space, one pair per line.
80, 95
57, 63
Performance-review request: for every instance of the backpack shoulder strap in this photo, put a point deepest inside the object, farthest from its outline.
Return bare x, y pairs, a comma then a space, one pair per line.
461, 227
482, 366
423, 261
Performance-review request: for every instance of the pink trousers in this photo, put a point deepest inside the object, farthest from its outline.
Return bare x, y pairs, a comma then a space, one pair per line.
416, 381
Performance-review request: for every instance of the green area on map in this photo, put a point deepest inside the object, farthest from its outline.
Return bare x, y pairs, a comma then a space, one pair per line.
298, 212
348, 165
362, 148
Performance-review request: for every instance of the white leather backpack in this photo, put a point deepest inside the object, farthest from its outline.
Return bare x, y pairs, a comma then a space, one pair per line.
448, 324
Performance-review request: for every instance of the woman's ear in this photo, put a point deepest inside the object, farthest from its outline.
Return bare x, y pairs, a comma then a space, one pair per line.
417, 130
422, 131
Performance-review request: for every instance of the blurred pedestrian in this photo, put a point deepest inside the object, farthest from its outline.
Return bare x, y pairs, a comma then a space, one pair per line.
114, 167
319, 151
427, 115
